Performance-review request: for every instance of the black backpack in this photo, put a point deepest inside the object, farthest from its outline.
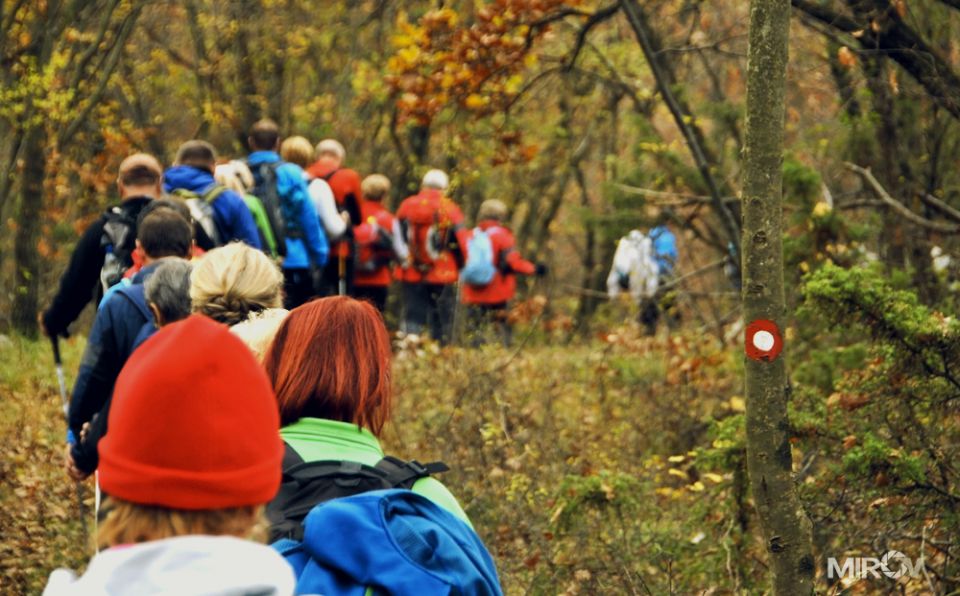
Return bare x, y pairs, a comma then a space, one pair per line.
304, 485
118, 242
283, 224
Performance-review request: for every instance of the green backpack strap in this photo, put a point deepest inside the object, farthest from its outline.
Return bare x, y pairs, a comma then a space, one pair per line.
211, 195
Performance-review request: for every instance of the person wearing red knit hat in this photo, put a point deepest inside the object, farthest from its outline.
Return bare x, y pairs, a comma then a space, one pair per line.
192, 455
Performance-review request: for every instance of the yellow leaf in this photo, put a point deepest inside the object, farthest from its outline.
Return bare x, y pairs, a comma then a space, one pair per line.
737, 404
475, 101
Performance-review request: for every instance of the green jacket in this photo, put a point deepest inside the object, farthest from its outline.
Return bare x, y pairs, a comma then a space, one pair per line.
316, 439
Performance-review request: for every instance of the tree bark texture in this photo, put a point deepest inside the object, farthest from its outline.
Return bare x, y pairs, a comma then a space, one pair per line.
786, 527
26, 279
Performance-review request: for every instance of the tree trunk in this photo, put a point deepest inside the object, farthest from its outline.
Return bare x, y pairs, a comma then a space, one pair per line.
27, 280
786, 527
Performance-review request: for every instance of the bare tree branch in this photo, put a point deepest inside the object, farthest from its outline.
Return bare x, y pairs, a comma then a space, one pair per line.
883, 30
106, 72
682, 117
899, 207
941, 206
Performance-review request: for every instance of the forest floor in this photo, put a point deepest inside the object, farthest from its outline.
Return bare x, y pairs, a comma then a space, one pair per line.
583, 465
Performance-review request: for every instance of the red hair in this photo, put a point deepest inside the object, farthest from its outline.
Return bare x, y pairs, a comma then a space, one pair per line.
331, 359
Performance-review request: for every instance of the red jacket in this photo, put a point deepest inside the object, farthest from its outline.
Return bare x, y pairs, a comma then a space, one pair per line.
371, 236
345, 184
508, 263
432, 225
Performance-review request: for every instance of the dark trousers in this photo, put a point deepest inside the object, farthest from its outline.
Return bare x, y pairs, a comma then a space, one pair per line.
488, 322
375, 295
663, 302
330, 278
429, 305
297, 287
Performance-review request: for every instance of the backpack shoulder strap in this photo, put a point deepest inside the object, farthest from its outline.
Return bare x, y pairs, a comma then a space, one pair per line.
139, 302
330, 174
404, 474
214, 193
290, 457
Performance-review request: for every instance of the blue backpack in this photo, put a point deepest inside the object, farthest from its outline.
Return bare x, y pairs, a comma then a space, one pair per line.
479, 268
390, 541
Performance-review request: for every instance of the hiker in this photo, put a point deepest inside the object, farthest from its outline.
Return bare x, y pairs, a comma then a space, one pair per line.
298, 150
665, 253
167, 294
329, 365
121, 324
635, 273
221, 213
259, 330
345, 185
191, 458
489, 276
235, 285
236, 176
280, 186
104, 250
432, 228
378, 243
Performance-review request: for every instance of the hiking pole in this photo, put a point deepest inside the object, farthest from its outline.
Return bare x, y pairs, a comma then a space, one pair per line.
62, 382
342, 273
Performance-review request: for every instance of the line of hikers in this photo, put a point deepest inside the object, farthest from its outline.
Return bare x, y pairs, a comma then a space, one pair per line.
327, 228
216, 420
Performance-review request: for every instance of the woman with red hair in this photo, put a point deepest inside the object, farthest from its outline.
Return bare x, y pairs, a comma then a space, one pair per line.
329, 365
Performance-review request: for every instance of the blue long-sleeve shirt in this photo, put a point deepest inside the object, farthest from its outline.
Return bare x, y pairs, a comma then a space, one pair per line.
312, 247
230, 211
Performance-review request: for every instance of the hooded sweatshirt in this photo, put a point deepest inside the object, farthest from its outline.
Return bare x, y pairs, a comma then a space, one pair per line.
230, 212
209, 565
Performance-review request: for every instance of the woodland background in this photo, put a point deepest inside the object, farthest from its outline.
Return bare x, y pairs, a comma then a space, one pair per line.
590, 458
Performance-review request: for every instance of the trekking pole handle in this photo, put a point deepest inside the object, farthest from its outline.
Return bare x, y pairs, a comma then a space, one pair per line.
55, 341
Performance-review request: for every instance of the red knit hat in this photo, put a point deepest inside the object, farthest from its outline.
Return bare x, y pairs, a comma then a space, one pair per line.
194, 423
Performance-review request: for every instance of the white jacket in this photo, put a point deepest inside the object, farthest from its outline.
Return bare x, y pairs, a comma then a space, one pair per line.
208, 565
634, 261
324, 203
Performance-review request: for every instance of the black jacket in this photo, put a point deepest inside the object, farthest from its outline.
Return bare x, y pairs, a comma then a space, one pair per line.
80, 282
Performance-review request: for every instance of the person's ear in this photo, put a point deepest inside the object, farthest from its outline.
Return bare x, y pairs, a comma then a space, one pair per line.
157, 317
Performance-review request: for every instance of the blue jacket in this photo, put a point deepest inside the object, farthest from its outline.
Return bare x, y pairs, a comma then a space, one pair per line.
665, 248
313, 247
121, 323
230, 211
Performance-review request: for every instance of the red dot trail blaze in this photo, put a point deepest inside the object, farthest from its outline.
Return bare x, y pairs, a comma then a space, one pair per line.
763, 341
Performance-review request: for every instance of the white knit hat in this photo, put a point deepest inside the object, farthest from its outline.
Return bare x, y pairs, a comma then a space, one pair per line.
435, 179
